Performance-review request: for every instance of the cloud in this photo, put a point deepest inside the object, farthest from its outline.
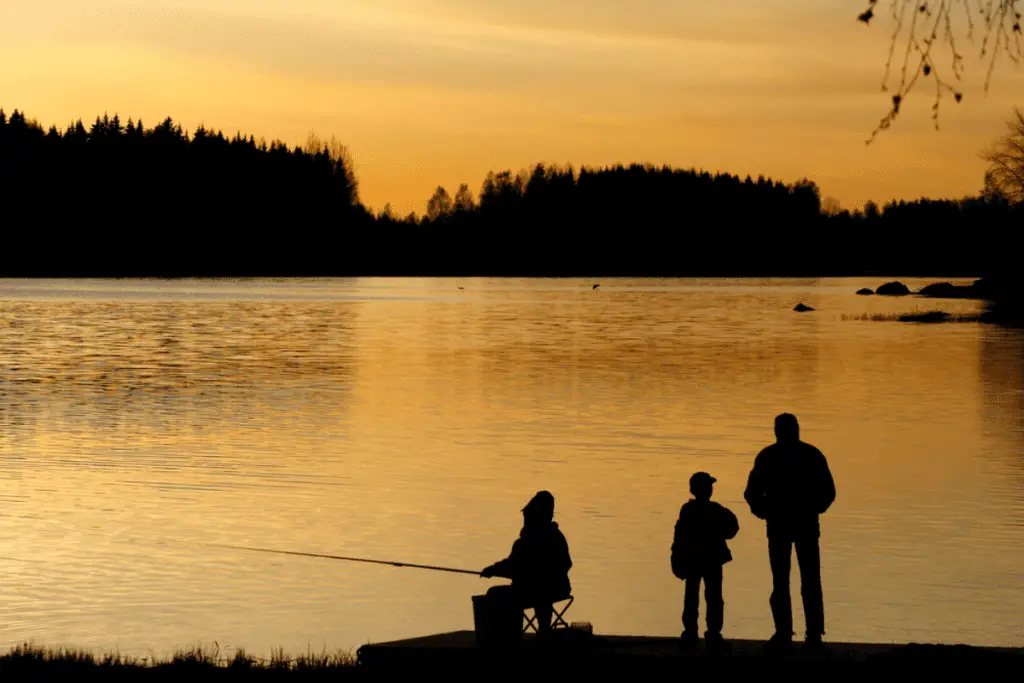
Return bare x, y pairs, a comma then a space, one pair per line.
407, 49
737, 22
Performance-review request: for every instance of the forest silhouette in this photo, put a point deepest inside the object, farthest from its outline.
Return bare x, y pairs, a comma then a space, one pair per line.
116, 199
121, 200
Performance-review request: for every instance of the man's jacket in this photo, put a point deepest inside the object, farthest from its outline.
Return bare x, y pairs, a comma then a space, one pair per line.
789, 487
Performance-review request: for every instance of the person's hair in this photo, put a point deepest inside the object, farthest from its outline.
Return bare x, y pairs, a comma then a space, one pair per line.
786, 426
541, 505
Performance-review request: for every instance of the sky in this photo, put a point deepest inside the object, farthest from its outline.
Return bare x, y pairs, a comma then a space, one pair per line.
439, 92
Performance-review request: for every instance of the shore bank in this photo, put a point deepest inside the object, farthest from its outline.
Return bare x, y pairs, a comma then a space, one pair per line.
567, 654
453, 653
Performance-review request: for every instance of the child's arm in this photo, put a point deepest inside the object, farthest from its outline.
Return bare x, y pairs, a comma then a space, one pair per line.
678, 559
730, 525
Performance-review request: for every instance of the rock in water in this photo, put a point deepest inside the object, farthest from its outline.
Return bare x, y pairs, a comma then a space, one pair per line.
940, 290
893, 289
865, 291
800, 308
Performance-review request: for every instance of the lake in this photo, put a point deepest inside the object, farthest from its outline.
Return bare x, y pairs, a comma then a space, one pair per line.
409, 420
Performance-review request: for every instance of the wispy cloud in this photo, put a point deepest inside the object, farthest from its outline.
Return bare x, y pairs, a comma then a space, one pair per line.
400, 48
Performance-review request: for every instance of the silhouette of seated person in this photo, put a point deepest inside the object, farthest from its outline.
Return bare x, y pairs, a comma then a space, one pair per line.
538, 564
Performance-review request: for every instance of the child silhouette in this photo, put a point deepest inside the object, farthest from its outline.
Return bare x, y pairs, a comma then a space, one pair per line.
699, 551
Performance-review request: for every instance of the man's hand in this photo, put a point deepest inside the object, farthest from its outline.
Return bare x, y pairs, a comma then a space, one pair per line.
678, 568
487, 573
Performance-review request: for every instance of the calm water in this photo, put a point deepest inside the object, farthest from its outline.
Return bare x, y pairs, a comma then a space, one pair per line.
410, 420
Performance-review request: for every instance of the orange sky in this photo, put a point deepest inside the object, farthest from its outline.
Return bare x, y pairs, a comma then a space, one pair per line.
429, 92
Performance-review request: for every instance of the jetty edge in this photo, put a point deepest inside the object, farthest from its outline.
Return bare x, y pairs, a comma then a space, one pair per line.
567, 654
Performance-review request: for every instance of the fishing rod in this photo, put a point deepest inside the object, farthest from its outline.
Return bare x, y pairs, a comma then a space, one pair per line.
348, 559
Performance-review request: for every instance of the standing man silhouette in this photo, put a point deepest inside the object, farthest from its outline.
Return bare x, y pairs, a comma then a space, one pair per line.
789, 486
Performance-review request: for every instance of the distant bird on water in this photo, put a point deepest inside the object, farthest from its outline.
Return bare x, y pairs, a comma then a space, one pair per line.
596, 286
461, 287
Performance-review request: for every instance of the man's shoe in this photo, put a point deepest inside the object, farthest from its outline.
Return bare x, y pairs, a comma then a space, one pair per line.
813, 644
716, 644
688, 641
779, 644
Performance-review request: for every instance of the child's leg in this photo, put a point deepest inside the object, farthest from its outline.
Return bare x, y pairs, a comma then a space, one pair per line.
691, 604
713, 598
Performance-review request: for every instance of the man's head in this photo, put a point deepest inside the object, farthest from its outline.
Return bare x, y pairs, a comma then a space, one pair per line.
540, 509
701, 484
787, 429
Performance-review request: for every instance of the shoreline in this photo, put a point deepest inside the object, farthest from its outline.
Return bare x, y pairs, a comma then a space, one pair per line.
567, 653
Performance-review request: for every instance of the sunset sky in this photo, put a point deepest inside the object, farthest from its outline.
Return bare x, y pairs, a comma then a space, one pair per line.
439, 92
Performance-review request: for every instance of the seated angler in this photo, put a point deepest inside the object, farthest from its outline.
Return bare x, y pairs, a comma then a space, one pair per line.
538, 564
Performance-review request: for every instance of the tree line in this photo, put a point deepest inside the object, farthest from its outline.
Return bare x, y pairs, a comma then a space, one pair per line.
121, 199
647, 220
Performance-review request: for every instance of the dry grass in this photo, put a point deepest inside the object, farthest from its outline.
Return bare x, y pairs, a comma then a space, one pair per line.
917, 317
28, 657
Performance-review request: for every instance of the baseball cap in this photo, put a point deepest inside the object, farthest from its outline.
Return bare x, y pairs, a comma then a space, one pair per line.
702, 478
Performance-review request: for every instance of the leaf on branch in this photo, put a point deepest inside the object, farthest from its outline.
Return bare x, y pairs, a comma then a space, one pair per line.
927, 69
866, 16
957, 96
896, 99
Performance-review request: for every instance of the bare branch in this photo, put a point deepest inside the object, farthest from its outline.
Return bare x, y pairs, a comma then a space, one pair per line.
1005, 176
931, 19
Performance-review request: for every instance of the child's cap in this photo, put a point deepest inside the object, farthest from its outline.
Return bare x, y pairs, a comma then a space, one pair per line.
701, 478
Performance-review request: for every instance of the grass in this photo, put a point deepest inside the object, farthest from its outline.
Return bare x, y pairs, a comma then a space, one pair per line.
917, 317
28, 658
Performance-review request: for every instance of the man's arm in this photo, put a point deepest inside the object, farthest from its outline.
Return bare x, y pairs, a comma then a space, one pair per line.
754, 493
499, 568
826, 486
503, 568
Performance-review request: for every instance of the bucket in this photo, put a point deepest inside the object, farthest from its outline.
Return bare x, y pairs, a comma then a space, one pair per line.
497, 622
